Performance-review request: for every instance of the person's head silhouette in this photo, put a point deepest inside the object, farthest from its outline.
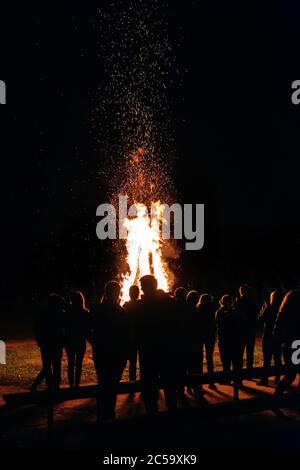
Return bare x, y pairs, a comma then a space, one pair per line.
55, 301
226, 301
180, 294
245, 291
276, 298
134, 293
77, 300
112, 291
192, 297
291, 302
205, 299
148, 285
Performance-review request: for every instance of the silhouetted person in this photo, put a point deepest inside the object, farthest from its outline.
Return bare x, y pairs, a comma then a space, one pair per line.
182, 339
38, 307
195, 352
132, 308
249, 311
270, 346
50, 337
180, 295
230, 340
206, 312
111, 342
286, 331
38, 380
77, 332
156, 344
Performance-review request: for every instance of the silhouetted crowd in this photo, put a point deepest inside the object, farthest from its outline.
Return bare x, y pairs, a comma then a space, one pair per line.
167, 335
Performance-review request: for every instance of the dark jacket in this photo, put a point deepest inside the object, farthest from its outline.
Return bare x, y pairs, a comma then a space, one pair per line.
50, 323
77, 326
207, 321
268, 316
249, 311
229, 324
194, 328
156, 327
287, 326
111, 330
132, 307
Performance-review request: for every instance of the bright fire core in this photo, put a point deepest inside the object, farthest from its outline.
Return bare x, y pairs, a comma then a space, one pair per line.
143, 246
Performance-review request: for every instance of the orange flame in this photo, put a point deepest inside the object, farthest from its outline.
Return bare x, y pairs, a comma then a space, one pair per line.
143, 246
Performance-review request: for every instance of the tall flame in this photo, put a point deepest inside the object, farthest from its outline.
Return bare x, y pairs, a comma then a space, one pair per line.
143, 246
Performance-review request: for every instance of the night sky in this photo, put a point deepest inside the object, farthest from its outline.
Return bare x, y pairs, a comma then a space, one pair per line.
236, 144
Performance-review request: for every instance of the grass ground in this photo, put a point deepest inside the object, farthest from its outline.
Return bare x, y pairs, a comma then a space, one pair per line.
23, 363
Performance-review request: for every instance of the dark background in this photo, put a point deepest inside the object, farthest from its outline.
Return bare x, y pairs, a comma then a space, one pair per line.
236, 139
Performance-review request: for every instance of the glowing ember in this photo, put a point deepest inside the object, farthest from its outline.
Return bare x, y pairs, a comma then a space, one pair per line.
143, 245
135, 127
136, 156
